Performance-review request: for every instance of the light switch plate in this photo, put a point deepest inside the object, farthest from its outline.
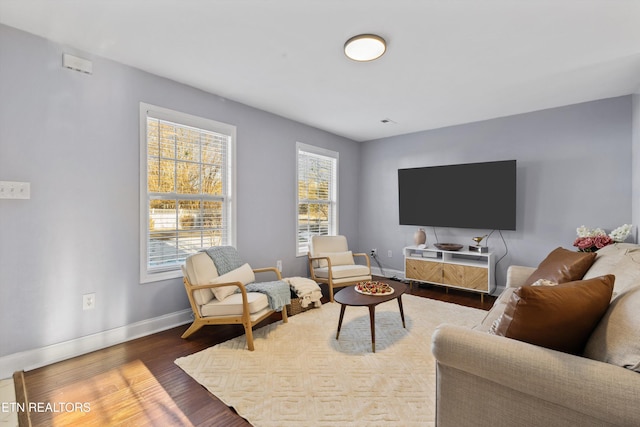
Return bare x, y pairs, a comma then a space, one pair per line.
15, 190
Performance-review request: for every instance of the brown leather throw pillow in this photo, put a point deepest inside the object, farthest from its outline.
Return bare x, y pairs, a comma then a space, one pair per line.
563, 265
558, 317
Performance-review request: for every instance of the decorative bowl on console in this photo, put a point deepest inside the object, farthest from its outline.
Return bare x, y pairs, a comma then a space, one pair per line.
448, 246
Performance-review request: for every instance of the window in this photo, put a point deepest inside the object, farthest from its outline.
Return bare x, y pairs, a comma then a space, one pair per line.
186, 189
317, 196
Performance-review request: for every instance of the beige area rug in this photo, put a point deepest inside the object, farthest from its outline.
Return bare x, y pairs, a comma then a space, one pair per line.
8, 415
300, 375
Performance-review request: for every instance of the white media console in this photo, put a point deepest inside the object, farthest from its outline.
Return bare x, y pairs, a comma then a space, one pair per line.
472, 271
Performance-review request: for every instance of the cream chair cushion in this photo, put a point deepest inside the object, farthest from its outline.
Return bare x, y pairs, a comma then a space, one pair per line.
325, 244
344, 272
200, 270
243, 274
232, 305
337, 258
616, 339
351, 280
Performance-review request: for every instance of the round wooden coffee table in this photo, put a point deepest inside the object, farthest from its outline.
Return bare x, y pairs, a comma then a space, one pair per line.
349, 296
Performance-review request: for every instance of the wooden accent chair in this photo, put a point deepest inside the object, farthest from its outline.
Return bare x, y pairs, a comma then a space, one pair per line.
214, 300
331, 262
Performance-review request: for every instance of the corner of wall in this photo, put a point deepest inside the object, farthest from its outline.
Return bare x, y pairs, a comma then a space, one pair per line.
635, 163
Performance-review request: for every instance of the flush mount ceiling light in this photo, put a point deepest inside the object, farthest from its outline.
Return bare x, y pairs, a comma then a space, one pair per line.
365, 47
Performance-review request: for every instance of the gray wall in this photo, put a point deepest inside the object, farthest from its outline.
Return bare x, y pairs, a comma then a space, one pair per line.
74, 137
574, 168
635, 174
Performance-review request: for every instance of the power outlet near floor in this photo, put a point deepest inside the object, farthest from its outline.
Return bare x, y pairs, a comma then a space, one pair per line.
279, 265
89, 301
374, 252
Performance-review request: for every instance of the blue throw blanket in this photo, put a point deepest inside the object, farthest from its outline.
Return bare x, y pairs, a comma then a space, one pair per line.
225, 258
277, 292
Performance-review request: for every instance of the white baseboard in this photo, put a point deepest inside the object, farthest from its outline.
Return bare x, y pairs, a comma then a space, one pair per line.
36, 358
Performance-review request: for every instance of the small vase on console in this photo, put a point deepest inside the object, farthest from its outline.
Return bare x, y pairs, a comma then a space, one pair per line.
420, 237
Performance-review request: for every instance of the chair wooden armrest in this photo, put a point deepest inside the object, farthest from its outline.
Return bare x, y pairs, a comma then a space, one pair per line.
266, 269
318, 258
366, 257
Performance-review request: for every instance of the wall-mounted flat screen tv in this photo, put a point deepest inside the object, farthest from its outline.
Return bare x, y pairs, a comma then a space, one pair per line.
472, 195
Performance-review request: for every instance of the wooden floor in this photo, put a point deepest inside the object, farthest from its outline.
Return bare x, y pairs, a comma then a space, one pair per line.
137, 384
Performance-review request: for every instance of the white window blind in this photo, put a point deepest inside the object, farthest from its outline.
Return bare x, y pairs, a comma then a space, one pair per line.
188, 187
317, 195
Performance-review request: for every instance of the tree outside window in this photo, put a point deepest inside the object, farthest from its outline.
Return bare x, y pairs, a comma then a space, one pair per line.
188, 187
317, 194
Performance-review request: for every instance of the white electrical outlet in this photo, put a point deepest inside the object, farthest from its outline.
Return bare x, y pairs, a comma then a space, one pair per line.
389, 253
374, 251
15, 190
279, 265
89, 301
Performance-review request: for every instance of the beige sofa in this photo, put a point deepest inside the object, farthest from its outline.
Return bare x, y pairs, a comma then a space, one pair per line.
489, 380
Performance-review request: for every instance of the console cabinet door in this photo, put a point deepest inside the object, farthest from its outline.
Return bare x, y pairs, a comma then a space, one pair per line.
424, 271
466, 276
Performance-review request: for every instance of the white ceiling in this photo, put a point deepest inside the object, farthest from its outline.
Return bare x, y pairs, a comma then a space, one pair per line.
448, 61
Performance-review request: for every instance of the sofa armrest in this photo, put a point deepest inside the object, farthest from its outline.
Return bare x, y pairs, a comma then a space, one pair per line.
517, 274
595, 389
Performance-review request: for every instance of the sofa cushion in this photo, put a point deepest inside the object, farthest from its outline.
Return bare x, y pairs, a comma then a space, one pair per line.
492, 319
616, 339
559, 317
563, 265
623, 261
337, 258
544, 282
200, 270
243, 274
489, 324
606, 260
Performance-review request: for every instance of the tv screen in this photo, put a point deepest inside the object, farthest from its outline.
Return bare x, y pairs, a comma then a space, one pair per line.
473, 195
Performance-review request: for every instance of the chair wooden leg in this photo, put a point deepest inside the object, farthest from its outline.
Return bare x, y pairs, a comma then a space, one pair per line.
192, 329
285, 317
249, 334
330, 293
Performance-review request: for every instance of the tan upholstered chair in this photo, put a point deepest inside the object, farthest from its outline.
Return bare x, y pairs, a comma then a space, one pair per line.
331, 262
214, 300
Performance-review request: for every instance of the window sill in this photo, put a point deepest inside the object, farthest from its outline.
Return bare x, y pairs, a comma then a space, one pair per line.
146, 277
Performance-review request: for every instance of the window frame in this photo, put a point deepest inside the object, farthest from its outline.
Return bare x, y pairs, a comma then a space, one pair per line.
148, 275
334, 200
